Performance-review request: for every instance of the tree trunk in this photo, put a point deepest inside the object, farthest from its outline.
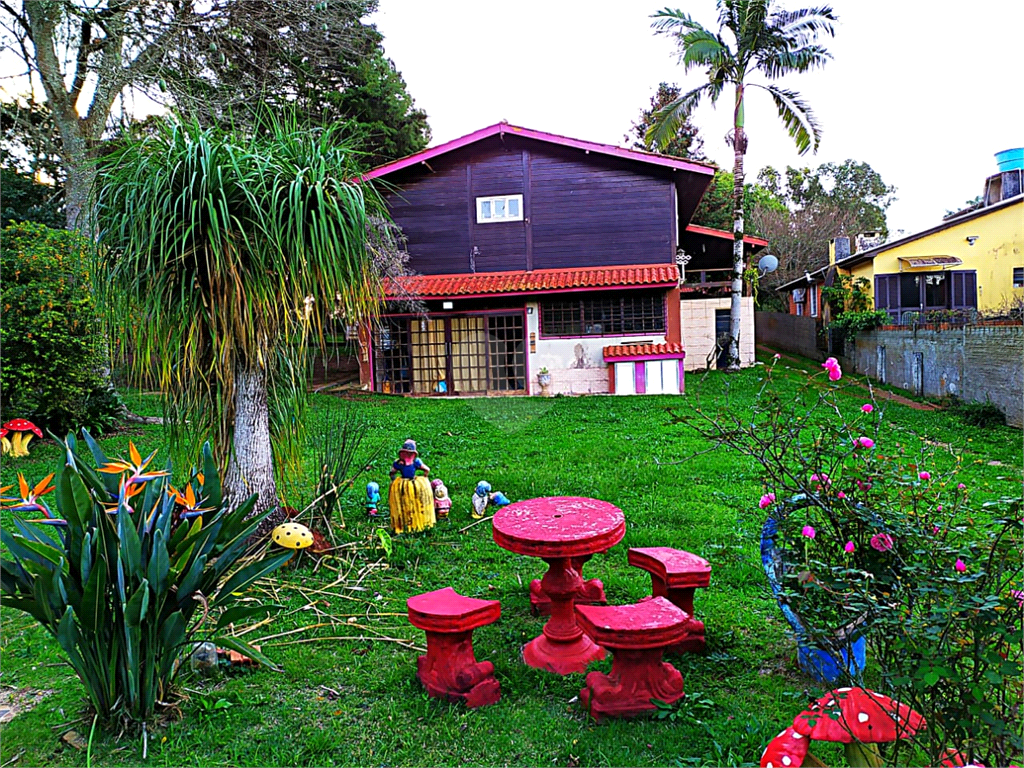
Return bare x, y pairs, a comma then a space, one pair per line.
736, 306
81, 175
251, 464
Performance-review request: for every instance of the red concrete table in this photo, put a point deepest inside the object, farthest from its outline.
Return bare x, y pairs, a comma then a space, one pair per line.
557, 529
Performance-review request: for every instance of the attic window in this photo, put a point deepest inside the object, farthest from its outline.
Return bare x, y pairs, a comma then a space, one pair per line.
490, 210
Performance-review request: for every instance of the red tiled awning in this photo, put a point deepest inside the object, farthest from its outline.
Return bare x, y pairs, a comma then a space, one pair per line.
539, 281
643, 351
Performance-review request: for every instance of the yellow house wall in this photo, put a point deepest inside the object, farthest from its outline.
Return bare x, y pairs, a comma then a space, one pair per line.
998, 249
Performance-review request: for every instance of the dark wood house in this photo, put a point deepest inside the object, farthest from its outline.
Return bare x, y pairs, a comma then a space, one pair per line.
540, 254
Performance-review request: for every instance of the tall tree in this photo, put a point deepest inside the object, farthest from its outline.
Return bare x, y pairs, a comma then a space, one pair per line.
212, 60
716, 206
686, 142
221, 246
849, 186
766, 40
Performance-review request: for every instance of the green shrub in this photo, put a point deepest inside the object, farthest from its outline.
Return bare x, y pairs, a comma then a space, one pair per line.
51, 338
138, 569
849, 324
985, 414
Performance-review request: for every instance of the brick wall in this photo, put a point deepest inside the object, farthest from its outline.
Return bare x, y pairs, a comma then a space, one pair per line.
697, 317
973, 363
788, 332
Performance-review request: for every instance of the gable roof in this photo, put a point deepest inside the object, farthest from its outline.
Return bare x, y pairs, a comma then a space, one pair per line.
500, 129
870, 253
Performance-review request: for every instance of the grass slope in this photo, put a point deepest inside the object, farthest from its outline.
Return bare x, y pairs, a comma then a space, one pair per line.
357, 702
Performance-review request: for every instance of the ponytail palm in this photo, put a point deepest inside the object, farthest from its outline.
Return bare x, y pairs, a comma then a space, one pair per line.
762, 39
218, 253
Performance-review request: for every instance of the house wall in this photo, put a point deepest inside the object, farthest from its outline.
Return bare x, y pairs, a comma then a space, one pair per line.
577, 366
974, 363
697, 317
998, 249
580, 210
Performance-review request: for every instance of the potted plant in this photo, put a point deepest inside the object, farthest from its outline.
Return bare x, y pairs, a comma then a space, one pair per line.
544, 377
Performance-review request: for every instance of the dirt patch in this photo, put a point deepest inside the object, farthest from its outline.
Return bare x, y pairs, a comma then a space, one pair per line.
14, 701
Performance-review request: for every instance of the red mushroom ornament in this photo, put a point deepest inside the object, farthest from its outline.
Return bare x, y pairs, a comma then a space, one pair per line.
787, 750
23, 430
5, 444
858, 718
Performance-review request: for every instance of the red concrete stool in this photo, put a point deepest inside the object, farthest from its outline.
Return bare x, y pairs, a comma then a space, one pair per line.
591, 593
676, 574
636, 635
449, 670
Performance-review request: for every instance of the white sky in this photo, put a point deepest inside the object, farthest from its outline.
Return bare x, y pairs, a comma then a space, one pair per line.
923, 91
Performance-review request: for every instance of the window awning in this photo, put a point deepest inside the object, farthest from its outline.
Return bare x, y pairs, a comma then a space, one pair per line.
930, 261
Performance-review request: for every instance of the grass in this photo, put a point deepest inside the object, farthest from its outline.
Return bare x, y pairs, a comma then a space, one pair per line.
357, 702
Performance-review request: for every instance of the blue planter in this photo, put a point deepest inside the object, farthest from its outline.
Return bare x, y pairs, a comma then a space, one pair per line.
823, 666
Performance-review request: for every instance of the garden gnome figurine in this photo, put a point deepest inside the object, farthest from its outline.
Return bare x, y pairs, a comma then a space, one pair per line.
483, 498
372, 499
410, 498
442, 502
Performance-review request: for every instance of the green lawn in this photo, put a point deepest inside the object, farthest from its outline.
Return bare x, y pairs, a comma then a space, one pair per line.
357, 702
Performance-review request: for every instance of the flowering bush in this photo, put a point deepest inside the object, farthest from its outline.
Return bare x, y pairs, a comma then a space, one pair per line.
888, 546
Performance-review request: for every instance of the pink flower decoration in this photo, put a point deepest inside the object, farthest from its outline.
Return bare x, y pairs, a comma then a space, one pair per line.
808, 531
766, 501
867, 407
840, 495
864, 442
924, 475
849, 546
1018, 595
960, 565
881, 542
835, 374
961, 487
935, 530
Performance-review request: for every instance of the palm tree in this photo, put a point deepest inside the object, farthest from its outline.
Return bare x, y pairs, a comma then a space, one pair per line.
765, 39
220, 254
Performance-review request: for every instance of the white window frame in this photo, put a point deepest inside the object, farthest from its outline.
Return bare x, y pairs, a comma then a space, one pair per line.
814, 301
495, 220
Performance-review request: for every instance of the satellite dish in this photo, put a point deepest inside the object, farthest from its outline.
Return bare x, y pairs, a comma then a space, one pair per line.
768, 263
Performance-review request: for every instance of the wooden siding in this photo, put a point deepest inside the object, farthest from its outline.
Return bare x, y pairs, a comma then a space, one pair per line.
580, 210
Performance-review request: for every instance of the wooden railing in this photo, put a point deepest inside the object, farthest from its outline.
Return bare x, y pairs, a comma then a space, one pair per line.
706, 278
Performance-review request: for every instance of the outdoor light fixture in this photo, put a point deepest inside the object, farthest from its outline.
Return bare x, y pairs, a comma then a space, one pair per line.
447, 305
971, 239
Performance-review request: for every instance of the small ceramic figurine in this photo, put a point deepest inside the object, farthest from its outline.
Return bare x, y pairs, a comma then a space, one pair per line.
483, 498
442, 502
372, 499
410, 498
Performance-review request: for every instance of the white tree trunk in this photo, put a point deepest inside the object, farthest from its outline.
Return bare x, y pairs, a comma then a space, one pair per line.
251, 465
736, 304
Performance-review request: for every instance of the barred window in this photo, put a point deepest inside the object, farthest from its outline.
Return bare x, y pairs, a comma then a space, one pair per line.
643, 313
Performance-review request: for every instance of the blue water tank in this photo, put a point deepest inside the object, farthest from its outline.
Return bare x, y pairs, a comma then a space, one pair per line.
1010, 159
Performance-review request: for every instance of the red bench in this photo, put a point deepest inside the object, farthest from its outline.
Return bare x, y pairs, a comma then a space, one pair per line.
591, 593
449, 670
676, 574
636, 635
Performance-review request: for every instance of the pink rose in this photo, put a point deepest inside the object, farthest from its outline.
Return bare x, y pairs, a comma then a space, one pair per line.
776, 356
960, 565
849, 546
814, 478
766, 501
935, 530
829, 364
863, 485
835, 374
925, 475
940, 508
961, 487
840, 495
1018, 595
867, 407
881, 542
808, 531
864, 442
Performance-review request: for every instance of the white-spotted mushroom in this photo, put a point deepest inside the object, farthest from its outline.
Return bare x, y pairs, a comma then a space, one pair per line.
787, 750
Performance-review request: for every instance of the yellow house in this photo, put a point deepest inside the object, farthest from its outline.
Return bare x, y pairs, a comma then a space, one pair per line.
974, 259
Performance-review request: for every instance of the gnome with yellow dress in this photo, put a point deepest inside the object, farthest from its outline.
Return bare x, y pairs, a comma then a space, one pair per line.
410, 498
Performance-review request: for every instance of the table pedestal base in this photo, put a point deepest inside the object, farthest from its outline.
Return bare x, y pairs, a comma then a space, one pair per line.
563, 648
591, 593
637, 676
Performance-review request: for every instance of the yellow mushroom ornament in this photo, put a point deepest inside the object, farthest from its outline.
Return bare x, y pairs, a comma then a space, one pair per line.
292, 536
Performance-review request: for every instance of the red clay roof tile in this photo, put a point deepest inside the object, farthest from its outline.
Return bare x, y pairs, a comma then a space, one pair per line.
538, 281
642, 350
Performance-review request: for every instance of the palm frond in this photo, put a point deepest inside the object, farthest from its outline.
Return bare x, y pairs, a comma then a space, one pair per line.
670, 21
796, 116
776, 63
666, 121
805, 24
226, 249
